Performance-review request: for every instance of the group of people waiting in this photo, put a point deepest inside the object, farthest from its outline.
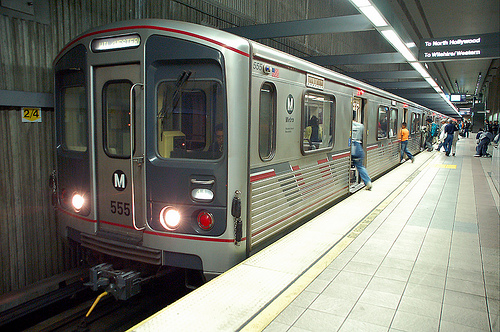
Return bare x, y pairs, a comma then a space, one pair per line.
447, 136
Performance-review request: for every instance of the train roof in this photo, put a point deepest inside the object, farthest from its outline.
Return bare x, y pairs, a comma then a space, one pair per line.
238, 44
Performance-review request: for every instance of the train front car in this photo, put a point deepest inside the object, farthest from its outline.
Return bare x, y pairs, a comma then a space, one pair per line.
152, 131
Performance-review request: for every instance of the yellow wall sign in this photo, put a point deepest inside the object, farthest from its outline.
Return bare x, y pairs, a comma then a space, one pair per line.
29, 114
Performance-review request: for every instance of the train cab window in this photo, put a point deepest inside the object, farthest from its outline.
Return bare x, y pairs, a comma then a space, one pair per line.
318, 122
393, 127
383, 122
116, 98
267, 121
74, 118
190, 118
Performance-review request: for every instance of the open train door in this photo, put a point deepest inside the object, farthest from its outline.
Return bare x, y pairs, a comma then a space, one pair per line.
119, 159
358, 115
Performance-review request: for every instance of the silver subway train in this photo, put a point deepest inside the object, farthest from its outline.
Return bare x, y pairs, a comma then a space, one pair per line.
182, 145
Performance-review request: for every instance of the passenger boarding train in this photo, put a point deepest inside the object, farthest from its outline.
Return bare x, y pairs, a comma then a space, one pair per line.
182, 145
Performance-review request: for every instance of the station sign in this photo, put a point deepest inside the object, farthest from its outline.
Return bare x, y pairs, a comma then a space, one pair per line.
31, 114
457, 48
116, 43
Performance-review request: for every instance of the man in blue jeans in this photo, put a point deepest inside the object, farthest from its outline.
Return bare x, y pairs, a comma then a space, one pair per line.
449, 129
405, 136
358, 154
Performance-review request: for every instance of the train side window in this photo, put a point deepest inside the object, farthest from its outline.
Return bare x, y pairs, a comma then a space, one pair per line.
74, 119
116, 99
318, 122
413, 123
267, 121
393, 128
383, 122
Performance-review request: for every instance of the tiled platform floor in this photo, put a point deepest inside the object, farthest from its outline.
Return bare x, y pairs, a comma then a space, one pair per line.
428, 262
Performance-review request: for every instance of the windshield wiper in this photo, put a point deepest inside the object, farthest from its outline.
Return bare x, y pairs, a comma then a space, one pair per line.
183, 78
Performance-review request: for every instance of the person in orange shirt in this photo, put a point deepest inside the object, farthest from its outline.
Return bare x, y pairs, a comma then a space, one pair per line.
405, 134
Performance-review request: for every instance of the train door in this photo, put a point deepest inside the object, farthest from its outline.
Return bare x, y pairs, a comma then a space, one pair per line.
119, 151
358, 115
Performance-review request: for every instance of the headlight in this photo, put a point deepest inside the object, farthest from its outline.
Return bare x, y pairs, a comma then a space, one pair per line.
170, 218
78, 201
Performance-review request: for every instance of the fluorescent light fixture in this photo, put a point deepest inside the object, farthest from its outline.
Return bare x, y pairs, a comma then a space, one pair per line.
398, 44
418, 67
374, 16
361, 3
432, 82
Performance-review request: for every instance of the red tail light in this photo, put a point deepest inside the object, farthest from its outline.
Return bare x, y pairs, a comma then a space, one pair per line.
205, 220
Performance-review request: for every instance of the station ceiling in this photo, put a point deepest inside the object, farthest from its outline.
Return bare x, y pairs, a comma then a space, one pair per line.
438, 22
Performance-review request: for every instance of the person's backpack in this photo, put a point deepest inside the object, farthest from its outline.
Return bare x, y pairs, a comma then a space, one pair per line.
434, 131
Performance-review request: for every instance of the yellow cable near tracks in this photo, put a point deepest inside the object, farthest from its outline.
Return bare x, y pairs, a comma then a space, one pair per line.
95, 303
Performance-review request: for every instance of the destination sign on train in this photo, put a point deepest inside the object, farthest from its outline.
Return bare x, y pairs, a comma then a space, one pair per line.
465, 47
114, 43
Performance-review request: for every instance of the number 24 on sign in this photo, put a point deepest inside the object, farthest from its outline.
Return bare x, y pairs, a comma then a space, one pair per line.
31, 114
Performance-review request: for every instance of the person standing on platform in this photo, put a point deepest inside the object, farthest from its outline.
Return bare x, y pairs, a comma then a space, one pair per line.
455, 140
494, 128
428, 134
405, 135
466, 129
442, 136
449, 129
357, 153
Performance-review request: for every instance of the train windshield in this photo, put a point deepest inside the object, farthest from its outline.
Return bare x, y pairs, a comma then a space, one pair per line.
190, 118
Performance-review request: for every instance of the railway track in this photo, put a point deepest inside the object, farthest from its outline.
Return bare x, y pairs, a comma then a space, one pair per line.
109, 314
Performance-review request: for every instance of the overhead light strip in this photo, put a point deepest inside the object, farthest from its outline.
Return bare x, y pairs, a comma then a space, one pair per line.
393, 38
374, 16
371, 13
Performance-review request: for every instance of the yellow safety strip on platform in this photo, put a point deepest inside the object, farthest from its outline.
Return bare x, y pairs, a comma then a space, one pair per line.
445, 166
273, 309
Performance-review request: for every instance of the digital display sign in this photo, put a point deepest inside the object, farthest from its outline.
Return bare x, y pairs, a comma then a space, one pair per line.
314, 81
116, 43
457, 98
464, 47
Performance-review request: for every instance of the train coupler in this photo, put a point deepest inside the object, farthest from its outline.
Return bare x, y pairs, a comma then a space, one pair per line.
121, 284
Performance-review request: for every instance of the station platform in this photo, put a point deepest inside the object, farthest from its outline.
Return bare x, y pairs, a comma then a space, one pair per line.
419, 252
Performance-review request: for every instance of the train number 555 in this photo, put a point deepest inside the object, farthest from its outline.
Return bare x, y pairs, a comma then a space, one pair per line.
120, 208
